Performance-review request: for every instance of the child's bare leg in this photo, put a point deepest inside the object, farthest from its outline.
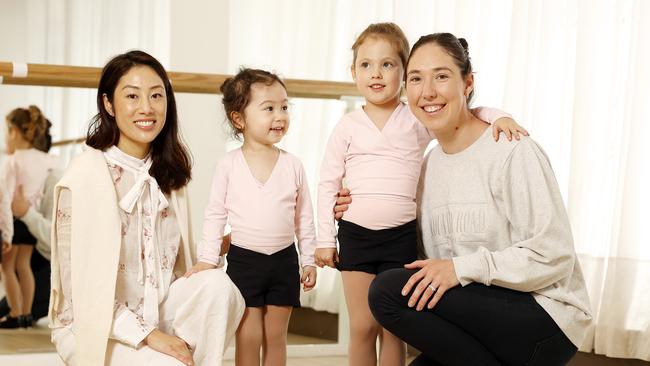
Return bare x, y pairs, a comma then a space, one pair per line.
363, 327
14, 296
25, 277
392, 351
276, 323
249, 338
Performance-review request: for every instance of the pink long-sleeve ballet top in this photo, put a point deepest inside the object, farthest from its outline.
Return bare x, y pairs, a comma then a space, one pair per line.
380, 167
28, 168
264, 217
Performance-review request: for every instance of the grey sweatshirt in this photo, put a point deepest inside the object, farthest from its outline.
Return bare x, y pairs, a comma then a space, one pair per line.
495, 209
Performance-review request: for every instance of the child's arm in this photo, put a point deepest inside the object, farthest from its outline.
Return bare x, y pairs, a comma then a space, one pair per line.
305, 231
308, 278
331, 181
225, 244
304, 220
7, 184
214, 221
501, 122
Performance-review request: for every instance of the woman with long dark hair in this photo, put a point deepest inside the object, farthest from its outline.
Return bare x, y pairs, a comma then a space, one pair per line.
122, 237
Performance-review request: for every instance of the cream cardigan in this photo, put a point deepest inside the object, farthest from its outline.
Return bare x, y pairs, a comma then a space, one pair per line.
95, 251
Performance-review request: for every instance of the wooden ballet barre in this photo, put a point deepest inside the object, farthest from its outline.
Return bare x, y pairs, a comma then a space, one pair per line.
69, 142
182, 82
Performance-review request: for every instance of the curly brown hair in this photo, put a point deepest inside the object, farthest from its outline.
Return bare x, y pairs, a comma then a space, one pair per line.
236, 92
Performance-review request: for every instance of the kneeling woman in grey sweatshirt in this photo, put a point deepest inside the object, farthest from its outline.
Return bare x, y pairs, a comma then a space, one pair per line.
502, 284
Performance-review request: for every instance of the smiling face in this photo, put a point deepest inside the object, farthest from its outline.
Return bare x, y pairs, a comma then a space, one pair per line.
378, 71
436, 89
265, 119
139, 107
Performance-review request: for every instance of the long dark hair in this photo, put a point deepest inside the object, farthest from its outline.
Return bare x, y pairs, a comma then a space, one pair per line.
172, 164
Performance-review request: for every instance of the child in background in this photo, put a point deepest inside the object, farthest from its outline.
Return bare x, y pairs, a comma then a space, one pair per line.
379, 150
28, 165
262, 192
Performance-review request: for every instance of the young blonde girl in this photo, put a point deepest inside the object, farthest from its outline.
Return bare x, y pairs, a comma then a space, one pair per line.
379, 150
28, 165
261, 191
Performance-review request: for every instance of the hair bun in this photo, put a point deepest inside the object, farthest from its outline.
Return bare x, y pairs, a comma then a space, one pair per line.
35, 114
463, 42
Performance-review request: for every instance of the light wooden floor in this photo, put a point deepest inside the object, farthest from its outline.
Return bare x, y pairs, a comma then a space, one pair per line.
37, 339
310, 361
32, 340
51, 359
30, 347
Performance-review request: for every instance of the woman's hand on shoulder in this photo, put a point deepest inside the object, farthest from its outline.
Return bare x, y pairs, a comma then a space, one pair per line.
308, 278
428, 284
200, 266
170, 345
509, 127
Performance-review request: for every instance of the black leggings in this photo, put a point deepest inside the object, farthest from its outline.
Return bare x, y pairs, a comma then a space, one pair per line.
471, 325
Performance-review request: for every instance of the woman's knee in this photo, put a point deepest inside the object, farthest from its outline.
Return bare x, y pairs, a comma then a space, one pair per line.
213, 281
384, 295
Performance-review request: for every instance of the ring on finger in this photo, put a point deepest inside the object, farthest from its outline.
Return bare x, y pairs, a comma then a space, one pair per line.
433, 289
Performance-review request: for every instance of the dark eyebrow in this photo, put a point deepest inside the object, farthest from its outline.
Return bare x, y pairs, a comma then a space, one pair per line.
136, 87
434, 70
270, 101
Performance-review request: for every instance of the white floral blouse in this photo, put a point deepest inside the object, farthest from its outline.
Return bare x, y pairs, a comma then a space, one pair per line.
150, 242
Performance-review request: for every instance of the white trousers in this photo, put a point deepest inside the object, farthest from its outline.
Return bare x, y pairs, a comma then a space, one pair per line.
204, 310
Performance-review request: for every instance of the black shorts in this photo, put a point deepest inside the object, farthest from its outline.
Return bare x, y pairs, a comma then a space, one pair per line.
22, 234
375, 251
265, 279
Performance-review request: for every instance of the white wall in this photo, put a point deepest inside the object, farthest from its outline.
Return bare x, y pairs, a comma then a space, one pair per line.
199, 43
13, 48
